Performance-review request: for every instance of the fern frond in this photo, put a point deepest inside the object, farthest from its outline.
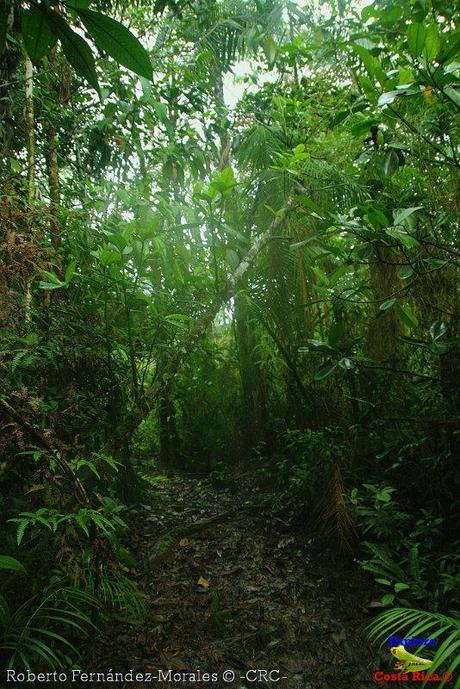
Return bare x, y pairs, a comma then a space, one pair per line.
384, 565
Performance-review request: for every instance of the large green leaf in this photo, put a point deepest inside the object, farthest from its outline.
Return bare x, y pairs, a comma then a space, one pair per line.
406, 239
405, 273
270, 49
319, 345
416, 35
452, 68
404, 213
407, 316
387, 304
116, 40
309, 203
371, 63
75, 48
7, 562
37, 34
325, 370
390, 163
453, 94
389, 96
432, 44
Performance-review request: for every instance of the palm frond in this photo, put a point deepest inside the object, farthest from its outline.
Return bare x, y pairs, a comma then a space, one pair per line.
116, 591
258, 148
41, 629
327, 183
120, 593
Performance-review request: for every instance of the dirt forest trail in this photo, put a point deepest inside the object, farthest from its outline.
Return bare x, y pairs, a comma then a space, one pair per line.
239, 592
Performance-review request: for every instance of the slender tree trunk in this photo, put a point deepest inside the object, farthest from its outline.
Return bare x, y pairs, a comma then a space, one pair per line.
59, 83
30, 143
306, 294
30, 132
53, 167
131, 349
169, 439
10, 59
8, 63
54, 185
251, 375
385, 327
381, 343
304, 395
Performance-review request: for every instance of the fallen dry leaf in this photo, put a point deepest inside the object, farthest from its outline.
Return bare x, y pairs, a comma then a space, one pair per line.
35, 488
204, 583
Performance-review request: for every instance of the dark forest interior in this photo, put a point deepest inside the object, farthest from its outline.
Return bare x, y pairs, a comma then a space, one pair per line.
229, 353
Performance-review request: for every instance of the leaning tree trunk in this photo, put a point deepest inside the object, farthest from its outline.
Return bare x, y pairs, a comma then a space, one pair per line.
194, 337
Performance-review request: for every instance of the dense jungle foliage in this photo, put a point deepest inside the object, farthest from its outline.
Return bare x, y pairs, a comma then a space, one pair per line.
229, 243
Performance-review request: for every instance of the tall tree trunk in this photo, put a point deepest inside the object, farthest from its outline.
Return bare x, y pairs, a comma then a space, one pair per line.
381, 342
30, 131
251, 375
169, 438
8, 63
54, 185
59, 84
30, 143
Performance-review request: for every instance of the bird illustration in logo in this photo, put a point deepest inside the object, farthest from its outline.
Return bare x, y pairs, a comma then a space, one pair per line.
409, 662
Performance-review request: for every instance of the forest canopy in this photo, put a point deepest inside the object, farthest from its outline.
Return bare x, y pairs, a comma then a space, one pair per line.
229, 247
